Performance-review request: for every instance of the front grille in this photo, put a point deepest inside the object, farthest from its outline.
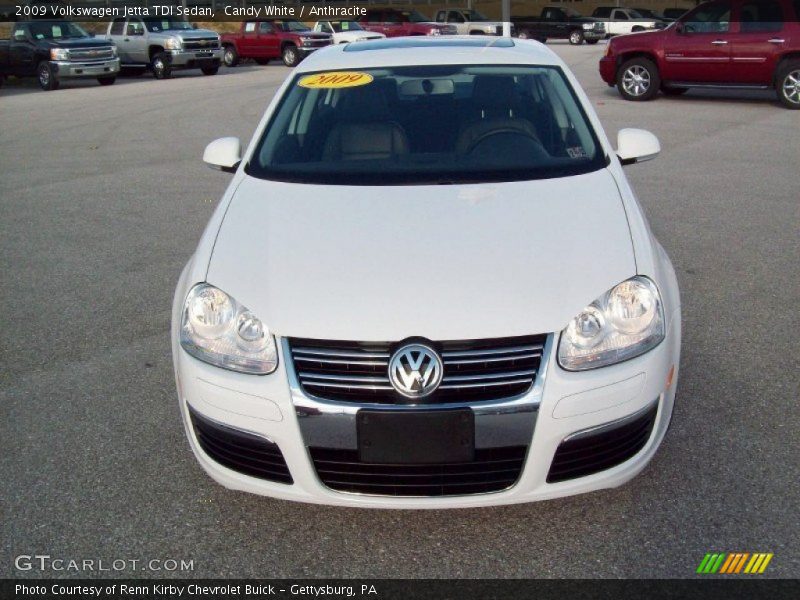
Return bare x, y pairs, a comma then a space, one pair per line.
492, 470
608, 447
474, 370
201, 44
89, 54
244, 452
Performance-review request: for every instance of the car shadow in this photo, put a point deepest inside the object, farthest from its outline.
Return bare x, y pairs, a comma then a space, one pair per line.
711, 95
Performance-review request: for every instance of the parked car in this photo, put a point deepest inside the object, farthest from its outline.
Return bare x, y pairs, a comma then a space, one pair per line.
735, 44
164, 44
54, 51
346, 31
434, 283
560, 23
287, 39
675, 13
396, 23
469, 22
619, 21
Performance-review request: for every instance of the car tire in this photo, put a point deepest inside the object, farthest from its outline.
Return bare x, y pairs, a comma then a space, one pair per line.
576, 37
638, 79
673, 91
263, 61
46, 77
290, 55
210, 70
230, 57
107, 80
160, 66
787, 84
592, 42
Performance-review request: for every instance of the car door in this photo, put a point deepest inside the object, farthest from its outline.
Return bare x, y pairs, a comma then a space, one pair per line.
136, 42
248, 39
267, 44
116, 33
698, 48
620, 23
759, 42
21, 52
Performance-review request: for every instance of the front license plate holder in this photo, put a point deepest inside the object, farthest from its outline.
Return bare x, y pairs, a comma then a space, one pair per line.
416, 437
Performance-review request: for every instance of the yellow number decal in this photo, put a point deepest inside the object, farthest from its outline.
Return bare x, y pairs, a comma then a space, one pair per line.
335, 79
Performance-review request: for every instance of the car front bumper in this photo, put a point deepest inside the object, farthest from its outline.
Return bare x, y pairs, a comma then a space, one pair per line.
593, 35
560, 405
608, 69
69, 69
195, 59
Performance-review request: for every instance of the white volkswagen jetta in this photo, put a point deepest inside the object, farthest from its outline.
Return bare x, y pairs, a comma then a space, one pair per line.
429, 284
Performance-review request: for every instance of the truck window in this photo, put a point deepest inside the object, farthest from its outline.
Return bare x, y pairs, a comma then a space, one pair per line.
455, 17
249, 27
265, 27
709, 18
391, 17
761, 15
602, 12
135, 28
117, 27
619, 15
19, 34
440, 16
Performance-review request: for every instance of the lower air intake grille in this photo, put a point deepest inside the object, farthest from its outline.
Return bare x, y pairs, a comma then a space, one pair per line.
473, 370
492, 470
608, 447
243, 452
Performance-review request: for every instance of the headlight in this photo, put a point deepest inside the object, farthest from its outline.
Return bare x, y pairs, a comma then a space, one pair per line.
59, 54
588, 25
625, 322
434, 32
172, 44
218, 330
114, 53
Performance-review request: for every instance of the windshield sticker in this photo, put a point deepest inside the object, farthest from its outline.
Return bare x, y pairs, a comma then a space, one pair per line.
577, 152
335, 79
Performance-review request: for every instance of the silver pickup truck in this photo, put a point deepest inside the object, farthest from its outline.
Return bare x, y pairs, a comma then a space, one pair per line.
162, 44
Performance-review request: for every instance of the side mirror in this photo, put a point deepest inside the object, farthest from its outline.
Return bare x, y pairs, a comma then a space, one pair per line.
224, 154
678, 27
636, 145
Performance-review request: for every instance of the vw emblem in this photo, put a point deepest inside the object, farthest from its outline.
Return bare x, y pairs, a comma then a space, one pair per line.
415, 371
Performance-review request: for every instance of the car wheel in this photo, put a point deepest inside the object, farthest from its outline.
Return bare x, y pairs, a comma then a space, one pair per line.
210, 70
788, 85
160, 66
290, 55
673, 91
230, 57
576, 38
107, 80
592, 42
638, 79
47, 79
262, 61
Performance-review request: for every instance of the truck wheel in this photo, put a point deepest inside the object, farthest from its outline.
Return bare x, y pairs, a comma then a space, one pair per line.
290, 55
160, 66
638, 79
788, 85
47, 79
107, 80
230, 57
210, 70
576, 37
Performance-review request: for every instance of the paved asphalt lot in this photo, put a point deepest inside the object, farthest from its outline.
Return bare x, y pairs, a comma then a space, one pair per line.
102, 199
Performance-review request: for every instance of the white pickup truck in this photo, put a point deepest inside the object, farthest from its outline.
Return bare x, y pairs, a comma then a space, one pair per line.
469, 22
619, 21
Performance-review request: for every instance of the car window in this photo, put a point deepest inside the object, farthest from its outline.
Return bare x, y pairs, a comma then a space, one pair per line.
117, 27
603, 13
249, 27
708, 18
760, 15
265, 27
455, 17
135, 28
620, 15
428, 124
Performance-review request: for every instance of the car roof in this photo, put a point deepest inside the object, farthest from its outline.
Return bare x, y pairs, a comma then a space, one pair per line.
422, 50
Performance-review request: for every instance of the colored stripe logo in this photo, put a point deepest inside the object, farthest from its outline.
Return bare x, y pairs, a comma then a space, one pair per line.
734, 563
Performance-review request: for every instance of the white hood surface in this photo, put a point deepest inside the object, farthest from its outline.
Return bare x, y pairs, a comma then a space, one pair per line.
443, 262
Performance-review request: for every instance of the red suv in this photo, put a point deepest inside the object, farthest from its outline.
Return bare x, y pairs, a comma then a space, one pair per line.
745, 44
395, 23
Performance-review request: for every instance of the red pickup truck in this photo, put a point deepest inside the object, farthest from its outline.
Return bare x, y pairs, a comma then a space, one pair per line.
395, 23
275, 38
740, 44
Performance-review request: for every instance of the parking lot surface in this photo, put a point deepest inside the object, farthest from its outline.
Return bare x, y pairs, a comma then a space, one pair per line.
103, 196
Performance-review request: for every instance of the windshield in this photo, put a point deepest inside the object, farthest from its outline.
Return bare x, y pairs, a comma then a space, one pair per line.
426, 125
56, 30
339, 26
415, 17
291, 25
156, 25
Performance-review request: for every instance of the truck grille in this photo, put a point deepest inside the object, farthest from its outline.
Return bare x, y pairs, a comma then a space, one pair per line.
90, 54
608, 447
201, 44
493, 469
474, 370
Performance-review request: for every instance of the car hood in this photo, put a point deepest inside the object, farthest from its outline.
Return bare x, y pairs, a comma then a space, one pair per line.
441, 262
190, 34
